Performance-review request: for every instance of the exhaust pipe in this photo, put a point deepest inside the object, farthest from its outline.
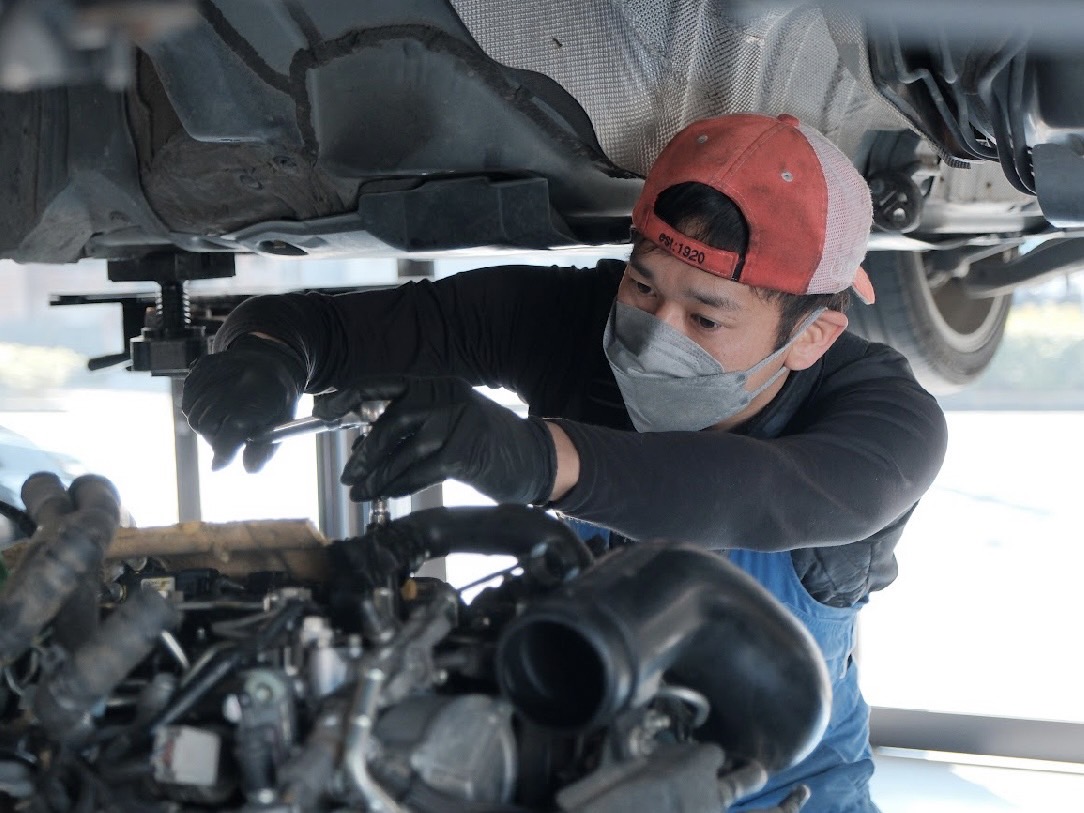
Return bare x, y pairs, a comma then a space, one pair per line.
662, 611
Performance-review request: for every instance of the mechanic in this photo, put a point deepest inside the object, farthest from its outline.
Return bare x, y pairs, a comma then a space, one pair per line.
705, 390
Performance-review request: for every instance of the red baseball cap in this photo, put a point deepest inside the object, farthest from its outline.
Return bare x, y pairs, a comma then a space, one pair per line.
807, 208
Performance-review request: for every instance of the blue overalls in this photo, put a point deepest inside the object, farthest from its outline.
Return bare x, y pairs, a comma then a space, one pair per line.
838, 770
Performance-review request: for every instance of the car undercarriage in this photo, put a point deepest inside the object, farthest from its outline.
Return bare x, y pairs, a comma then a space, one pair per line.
414, 129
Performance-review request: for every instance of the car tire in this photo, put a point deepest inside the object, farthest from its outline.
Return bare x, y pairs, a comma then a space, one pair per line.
948, 336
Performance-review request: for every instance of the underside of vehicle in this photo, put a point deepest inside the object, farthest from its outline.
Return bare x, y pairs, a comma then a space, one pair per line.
423, 127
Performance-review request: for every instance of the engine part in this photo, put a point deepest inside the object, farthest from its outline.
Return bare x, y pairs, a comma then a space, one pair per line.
77, 619
603, 643
897, 202
62, 553
679, 777
46, 499
549, 551
326, 666
265, 732
358, 736
264, 692
63, 703
463, 747
186, 755
307, 776
16, 779
1059, 169
223, 663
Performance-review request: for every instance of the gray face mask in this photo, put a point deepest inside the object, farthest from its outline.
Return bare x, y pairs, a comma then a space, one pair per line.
669, 382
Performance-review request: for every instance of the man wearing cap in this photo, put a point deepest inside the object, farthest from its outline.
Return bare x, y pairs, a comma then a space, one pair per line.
705, 390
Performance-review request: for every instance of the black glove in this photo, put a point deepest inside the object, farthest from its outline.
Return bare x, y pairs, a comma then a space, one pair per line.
234, 394
437, 429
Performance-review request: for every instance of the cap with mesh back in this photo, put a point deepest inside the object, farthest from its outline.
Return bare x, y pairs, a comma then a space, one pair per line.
807, 208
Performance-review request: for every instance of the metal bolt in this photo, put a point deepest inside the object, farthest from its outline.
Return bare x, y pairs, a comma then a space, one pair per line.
265, 796
231, 708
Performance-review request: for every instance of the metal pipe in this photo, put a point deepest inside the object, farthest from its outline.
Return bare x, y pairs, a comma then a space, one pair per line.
186, 458
358, 733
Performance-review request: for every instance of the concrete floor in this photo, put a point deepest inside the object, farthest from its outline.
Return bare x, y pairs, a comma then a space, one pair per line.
912, 785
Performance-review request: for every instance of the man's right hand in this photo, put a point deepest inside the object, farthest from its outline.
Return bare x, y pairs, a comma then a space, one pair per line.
234, 394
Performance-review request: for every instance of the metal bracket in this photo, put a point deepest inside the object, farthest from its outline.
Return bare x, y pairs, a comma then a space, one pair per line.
1055, 258
1059, 177
169, 342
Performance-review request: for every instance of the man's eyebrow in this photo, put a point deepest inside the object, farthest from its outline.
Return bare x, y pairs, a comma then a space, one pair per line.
703, 297
711, 300
643, 270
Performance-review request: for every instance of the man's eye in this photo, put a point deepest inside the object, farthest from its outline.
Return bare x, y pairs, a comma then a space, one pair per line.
705, 324
642, 288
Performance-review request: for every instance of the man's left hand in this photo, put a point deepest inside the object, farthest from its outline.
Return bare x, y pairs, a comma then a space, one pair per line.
440, 428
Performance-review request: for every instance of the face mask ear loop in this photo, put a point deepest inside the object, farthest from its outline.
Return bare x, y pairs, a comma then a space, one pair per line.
809, 320
803, 327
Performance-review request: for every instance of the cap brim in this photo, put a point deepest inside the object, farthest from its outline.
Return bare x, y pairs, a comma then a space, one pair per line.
863, 287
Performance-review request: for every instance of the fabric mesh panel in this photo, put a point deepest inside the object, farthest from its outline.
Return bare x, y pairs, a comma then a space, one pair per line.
850, 215
643, 69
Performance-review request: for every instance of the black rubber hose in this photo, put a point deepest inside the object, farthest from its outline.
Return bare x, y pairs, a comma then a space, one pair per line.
44, 583
45, 497
63, 703
47, 502
92, 492
77, 620
551, 550
66, 550
603, 643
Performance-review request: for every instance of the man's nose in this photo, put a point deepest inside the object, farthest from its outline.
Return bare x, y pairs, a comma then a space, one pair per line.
670, 313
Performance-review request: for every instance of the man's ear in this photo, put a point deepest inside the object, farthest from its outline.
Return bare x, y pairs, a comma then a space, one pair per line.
815, 340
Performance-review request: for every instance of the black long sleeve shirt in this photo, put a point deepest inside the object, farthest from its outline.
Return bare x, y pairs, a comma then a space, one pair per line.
830, 469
